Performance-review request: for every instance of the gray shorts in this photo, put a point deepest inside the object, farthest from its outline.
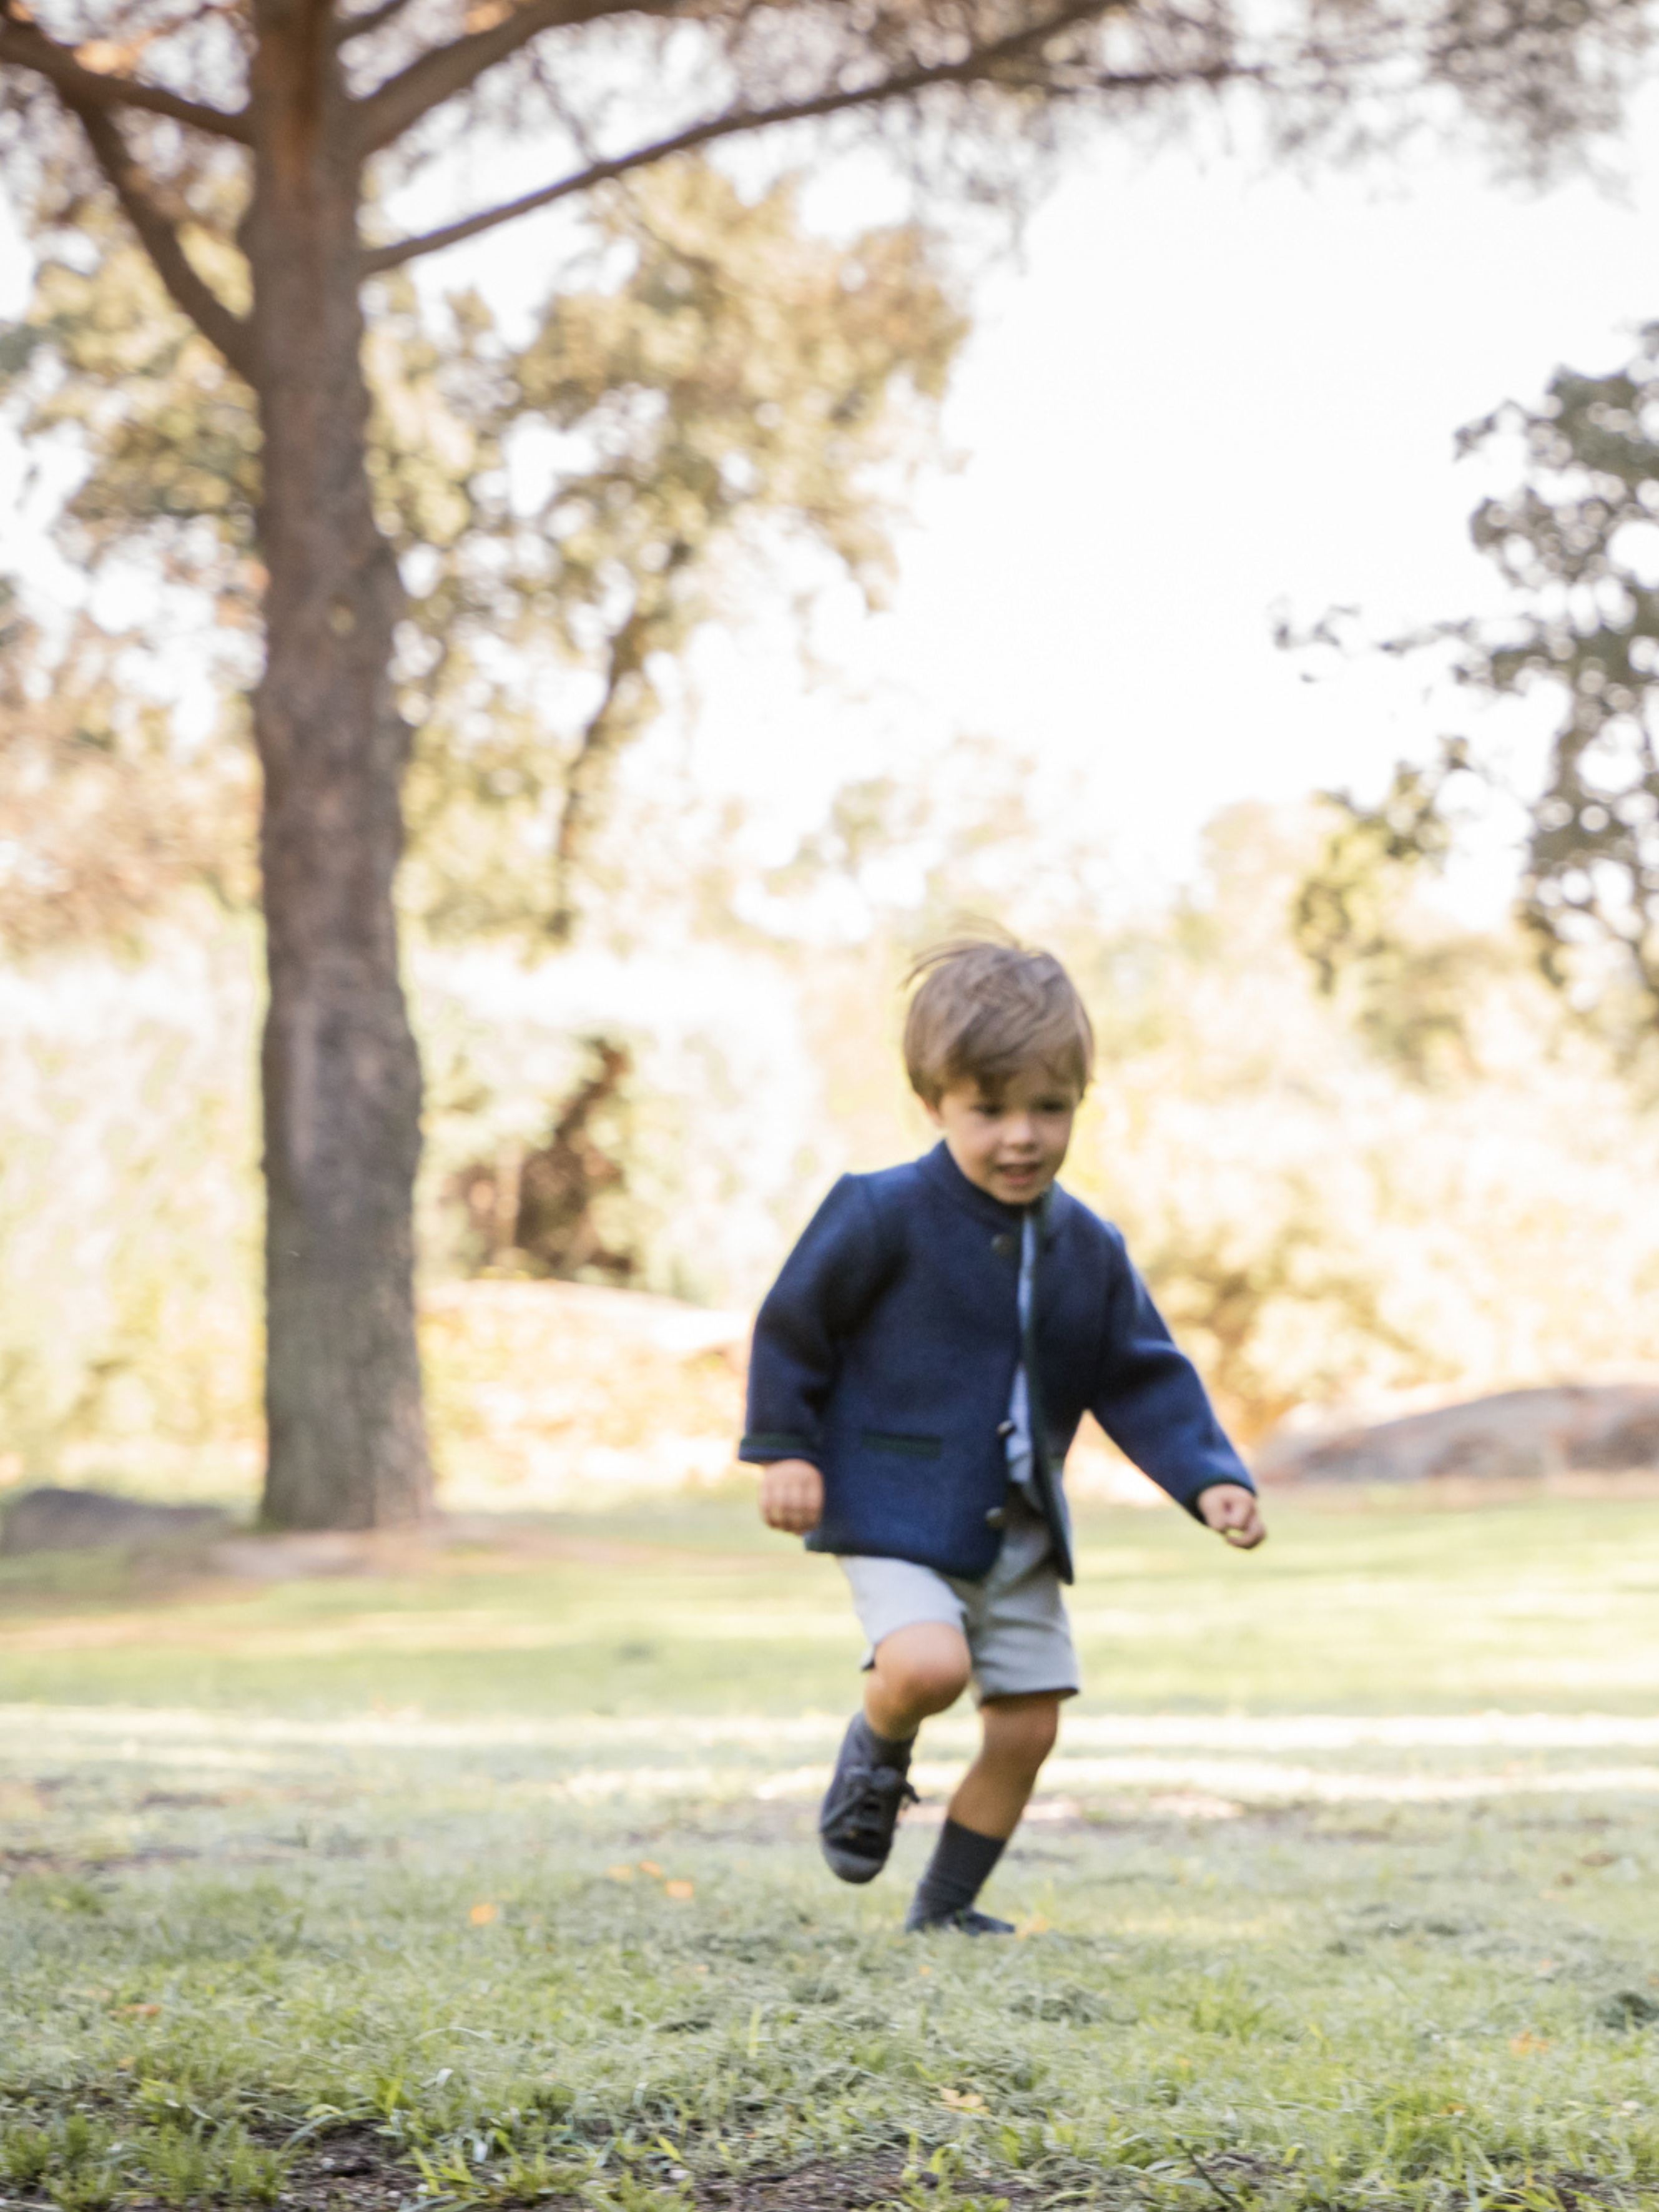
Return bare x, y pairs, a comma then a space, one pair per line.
1018, 1638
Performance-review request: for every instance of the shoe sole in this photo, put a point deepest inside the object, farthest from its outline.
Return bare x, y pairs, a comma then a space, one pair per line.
850, 1870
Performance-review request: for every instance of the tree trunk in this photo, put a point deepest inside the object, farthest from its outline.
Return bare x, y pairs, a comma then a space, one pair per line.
342, 1079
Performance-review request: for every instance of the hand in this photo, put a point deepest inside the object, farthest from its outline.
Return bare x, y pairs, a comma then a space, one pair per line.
1233, 1512
792, 1496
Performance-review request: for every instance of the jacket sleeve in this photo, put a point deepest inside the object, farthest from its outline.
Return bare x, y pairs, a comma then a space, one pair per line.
827, 1285
1149, 1401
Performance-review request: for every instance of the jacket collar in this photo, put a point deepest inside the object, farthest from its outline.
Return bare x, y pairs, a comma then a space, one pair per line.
941, 1171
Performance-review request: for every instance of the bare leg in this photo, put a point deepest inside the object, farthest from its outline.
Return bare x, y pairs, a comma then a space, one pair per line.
1019, 1734
919, 1670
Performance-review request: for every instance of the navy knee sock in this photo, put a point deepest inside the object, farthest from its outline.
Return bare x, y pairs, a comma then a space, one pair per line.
881, 1750
960, 1868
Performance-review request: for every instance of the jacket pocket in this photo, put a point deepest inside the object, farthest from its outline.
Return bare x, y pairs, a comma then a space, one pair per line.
885, 1440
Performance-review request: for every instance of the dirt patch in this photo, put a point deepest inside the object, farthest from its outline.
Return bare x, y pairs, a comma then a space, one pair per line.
850, 2187
350, 2172
350, 2169
78, 1866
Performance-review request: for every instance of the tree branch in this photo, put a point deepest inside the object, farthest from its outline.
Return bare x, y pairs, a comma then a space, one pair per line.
587, 772
371, 18
188, 288
24, 45
385, 113
978, 64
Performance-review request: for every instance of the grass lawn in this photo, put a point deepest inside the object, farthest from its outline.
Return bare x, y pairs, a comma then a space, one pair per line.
490, 1879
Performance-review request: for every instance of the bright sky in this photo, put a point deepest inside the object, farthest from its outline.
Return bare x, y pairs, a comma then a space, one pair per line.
1212, 389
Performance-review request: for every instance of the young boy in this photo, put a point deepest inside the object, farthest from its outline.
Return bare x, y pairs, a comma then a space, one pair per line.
920, 1369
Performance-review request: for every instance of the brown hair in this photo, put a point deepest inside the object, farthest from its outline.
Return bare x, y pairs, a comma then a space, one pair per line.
987, 1007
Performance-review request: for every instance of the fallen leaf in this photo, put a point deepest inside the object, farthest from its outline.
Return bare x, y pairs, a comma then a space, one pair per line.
924, 1970
679, 1889
650, 1867
620, 1873
1033, 1924
144, 2011
1544, 1967
1599, 1859
482, 1915
963, 2100
1524, 2046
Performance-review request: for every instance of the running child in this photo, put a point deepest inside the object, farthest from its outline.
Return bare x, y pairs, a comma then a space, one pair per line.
920, 1369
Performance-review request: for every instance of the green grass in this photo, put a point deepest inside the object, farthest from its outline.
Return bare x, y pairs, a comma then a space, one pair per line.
378, 1869
694, 1608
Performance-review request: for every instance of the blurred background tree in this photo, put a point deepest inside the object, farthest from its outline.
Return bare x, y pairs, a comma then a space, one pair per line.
102, 825
743, 390
256, 152
1578, 540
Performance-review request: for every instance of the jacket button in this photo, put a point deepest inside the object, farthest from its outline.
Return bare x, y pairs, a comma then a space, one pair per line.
997, 1518
1003, 1246
1005, 1428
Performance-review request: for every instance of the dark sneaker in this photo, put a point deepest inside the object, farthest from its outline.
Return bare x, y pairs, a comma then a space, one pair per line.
963, 1922
861, 1808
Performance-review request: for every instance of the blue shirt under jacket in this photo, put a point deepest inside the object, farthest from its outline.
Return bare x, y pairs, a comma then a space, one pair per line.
886, 1352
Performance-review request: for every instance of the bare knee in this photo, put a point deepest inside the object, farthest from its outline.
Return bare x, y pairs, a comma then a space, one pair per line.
922, 1669
1021, 1732
930, 1686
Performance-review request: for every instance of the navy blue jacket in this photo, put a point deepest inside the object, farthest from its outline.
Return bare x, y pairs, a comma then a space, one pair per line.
885, 1354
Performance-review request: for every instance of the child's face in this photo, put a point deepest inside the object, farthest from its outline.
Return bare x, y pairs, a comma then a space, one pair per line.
1011, 1140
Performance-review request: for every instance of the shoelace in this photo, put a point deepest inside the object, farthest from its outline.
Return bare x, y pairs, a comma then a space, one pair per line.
871, 1790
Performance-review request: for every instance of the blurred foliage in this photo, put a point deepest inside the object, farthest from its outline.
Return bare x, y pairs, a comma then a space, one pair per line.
1401, 1166
700, 1156
128, 1202
1331, 1209
719, 388
713, 393
102, 824
1578, 540
564, 1395
1322, 1219
1358, 1150
537, 1209
1403, 975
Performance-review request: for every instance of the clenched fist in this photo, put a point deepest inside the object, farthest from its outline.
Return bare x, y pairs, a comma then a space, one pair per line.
1232, 1511
792, 1496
